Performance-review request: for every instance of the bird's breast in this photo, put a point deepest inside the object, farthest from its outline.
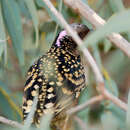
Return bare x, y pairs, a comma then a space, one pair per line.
65, 70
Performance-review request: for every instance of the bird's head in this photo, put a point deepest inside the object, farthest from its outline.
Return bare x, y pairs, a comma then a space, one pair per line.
65, 41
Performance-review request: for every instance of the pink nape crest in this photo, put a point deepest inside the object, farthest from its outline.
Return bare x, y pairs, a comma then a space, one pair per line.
61, 35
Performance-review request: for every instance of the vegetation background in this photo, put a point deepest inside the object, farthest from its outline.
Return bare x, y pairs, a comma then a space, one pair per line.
27, 30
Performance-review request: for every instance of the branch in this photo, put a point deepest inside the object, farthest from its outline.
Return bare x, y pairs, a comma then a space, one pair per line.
10, 122
115, 100
90, 59
97, 22
96, 99
107, 95
86, 104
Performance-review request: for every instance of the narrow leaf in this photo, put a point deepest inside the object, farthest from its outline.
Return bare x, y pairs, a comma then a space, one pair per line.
3, 43
13, 23
116, 5
107, 45
8, 101
128, 112
23, 8
33, 12
45, 122
112, 87
97, 56
40, 3
117, 23
109, 122
29, 119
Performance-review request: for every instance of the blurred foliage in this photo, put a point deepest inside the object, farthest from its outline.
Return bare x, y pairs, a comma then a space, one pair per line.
27, 30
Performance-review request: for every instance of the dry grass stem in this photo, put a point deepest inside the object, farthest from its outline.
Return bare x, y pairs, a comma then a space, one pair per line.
10, 122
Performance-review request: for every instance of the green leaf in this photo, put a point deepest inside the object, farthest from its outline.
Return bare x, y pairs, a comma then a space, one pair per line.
117, 23
107, 45
97, 56
3, 43
117, 114
40, 3
112, 87
48, 27
117, 65
23, 8
116, 5
109, 122
128, 112
33, 12
85, 96
29, 119
7, 103
13, 23
45, 122
84, 21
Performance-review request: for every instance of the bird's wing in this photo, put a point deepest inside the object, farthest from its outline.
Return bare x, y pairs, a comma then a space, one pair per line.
39, 84
33, 87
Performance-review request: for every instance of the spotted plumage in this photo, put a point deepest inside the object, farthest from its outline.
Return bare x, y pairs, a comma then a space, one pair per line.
57, 78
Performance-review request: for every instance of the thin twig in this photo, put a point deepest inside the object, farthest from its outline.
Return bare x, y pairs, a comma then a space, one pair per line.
96, 99
56, 28
115, 100
97, 22
90, 59
10, 122
86, 104
80, 122
107, 95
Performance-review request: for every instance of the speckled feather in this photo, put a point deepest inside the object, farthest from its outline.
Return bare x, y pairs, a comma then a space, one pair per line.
58, 76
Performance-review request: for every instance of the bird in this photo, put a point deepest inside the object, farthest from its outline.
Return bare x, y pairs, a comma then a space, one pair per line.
56, 78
